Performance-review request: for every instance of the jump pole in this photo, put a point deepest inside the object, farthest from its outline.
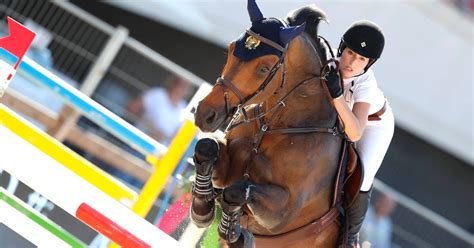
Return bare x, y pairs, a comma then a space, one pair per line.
88, 107
32, 225
77, 197
164, 168
66, 157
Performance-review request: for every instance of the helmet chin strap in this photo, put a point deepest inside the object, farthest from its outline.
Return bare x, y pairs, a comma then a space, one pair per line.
371, 62
340, 48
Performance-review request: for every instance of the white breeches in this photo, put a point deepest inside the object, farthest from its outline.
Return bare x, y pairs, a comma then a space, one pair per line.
373, 145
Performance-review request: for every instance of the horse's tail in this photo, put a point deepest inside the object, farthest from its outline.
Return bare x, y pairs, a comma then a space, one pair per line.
310, 14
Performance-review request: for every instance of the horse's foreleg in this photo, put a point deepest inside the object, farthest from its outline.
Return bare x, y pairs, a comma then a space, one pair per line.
231, 201
267, 202
203, 204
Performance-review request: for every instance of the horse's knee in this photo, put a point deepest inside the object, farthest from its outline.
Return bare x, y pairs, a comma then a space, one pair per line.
206, 149
238, 193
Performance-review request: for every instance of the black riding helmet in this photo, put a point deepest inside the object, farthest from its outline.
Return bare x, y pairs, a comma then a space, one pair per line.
364, 38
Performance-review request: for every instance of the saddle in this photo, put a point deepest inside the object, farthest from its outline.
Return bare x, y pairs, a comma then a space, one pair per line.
349, 176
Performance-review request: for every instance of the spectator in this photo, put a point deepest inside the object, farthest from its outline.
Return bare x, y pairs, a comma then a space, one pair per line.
377, 227
159, 110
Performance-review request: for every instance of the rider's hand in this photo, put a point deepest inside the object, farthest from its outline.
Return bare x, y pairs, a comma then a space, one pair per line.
333, 80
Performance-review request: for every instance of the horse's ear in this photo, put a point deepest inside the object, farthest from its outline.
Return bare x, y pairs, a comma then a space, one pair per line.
289, 33
254, 12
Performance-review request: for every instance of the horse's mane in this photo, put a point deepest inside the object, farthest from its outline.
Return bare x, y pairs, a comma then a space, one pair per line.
312, 15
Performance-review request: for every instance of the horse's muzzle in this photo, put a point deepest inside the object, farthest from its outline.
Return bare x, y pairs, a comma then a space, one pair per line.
209, 119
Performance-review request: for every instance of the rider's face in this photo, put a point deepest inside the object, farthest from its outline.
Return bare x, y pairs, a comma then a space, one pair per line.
352, 64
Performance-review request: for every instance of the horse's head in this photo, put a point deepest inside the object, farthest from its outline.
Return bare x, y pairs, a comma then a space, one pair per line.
256, 65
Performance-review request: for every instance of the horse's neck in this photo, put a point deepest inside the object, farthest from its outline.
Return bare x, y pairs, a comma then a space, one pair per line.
305, 105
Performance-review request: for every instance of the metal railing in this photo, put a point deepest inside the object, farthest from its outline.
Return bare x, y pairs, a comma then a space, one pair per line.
414, 225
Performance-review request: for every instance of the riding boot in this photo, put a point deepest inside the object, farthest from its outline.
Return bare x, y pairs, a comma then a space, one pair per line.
355, 215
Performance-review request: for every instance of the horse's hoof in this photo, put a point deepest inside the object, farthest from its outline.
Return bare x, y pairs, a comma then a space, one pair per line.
202, 220
246, 240
249, 240
206, 149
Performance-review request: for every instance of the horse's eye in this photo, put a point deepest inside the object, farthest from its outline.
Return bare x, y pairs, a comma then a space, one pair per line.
264, 69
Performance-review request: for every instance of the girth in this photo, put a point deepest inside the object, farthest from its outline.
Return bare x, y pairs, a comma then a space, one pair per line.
264, 128
310, 230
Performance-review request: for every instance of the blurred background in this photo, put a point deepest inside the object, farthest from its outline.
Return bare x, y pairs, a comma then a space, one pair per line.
424, 189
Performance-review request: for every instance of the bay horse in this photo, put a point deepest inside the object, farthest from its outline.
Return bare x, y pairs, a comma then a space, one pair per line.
274, 173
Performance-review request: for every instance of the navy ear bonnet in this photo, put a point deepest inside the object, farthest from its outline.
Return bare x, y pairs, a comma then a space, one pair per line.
268, 28
248, 47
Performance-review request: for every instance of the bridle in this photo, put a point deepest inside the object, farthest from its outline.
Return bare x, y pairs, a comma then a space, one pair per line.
236, 120
228, 85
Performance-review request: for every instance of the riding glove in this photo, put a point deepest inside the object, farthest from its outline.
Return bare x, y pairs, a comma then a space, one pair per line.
333, 80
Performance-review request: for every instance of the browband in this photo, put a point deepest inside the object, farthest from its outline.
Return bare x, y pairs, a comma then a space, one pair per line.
267, 41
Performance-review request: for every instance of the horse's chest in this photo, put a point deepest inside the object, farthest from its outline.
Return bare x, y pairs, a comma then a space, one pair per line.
279, 158
240, 151
244, 159
282, 158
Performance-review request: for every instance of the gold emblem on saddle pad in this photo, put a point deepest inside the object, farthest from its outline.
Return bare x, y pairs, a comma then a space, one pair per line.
252, 43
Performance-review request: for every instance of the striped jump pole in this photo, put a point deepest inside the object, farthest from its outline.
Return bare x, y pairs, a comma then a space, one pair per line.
32, 225
88, 107
165, 167
66, 157
76, 196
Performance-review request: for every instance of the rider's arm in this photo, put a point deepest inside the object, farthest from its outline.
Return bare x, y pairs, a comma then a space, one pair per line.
355, 120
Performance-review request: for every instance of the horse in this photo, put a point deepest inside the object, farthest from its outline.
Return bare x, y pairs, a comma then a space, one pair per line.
274, 172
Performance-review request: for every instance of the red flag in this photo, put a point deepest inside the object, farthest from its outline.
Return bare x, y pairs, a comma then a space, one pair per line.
18, 41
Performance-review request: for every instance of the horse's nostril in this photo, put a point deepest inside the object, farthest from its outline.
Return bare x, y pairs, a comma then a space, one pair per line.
211, 116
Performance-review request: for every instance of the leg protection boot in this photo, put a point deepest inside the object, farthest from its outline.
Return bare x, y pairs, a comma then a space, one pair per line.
229, 228
203, 205
205, 156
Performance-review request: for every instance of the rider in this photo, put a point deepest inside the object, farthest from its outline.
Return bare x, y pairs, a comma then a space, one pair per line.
367, 117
